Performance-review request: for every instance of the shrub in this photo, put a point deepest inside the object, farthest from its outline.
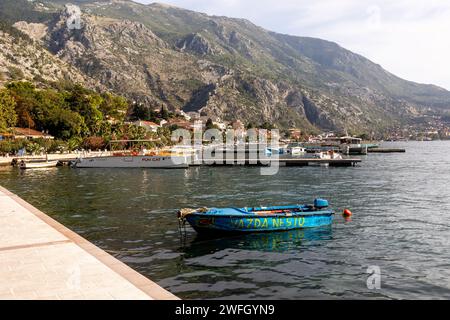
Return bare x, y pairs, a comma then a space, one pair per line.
94, 143
12, 146
15, 73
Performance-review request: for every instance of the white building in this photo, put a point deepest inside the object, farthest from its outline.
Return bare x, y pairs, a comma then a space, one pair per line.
148, 125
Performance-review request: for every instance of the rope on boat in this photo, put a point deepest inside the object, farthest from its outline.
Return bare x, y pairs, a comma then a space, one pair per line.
182, 229
183, 213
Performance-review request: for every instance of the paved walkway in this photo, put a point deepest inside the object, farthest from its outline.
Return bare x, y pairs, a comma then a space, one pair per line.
42, 259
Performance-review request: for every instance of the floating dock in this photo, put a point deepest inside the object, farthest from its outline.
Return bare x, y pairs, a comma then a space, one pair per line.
386, 150
42, 259
291, 162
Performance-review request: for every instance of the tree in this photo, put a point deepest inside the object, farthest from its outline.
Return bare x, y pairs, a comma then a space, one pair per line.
70, 112
8, 116
137, 133
267, 125
86, 103
209, 124
48, 104
250, 125
65, 124
164, 113
113, 106
143, 112
25, 97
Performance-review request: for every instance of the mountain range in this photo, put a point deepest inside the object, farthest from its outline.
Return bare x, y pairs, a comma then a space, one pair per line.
219, 67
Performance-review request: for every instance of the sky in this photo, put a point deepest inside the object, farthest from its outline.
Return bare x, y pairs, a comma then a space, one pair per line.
410, 38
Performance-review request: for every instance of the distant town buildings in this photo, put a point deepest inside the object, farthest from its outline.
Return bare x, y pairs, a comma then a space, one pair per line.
428, 128
237, 125
295, 134
180, 123
220, 125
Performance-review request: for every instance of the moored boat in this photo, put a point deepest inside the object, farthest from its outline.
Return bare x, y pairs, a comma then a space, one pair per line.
137, 156
319, 156
134, 161
325, 155
296, 151
37, 164
259, 219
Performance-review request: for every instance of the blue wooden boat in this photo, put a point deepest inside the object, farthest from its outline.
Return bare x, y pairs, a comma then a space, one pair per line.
259, 219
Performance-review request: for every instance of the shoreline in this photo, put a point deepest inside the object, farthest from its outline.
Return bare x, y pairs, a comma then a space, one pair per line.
43, 259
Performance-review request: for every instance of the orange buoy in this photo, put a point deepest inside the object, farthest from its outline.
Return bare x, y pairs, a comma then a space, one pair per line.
347, 213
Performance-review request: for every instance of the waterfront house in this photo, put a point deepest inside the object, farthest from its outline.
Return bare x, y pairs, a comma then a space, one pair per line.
25, 133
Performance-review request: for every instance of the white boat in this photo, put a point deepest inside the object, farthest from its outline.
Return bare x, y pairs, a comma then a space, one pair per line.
37, 164
296, 151
134, 161
330, 155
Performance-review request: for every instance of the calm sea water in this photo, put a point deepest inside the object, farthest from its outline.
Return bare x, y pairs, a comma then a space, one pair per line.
401, 223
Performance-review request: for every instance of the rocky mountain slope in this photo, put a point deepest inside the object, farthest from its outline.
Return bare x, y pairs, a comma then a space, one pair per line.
217, 66
21, 58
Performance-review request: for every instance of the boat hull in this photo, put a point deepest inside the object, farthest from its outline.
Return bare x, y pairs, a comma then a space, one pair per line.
204, 223
161, 162
38, 165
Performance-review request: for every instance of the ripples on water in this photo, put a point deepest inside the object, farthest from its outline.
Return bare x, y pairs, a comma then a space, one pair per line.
401, 205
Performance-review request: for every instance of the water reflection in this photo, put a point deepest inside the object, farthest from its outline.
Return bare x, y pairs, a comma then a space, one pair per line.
401, 205
282, 241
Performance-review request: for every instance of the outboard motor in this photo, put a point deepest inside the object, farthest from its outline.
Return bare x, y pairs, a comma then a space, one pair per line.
320, 204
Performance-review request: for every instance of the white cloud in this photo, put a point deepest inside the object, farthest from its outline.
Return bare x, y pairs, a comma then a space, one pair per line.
409, 38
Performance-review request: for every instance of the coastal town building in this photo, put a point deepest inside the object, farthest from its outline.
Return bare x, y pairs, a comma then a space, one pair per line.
220, 125
25, 133
148, 125
237, 125
295, 133
181, 124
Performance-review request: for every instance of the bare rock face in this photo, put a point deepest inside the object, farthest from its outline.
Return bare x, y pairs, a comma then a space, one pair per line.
196, 44
124, 55
240, 43
22, 58
36, 31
